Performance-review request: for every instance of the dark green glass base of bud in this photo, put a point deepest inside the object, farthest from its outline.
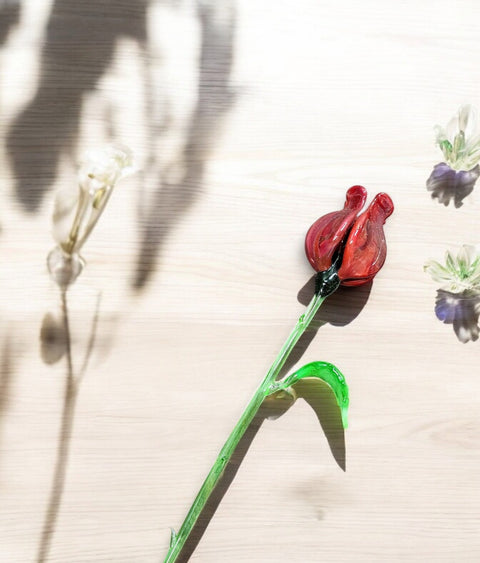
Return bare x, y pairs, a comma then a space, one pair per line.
327, 282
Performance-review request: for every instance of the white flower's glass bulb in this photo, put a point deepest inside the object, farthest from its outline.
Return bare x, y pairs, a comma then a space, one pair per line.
64, 268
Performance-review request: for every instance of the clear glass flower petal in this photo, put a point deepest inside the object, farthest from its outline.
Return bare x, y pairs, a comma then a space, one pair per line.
76, 213
104, 167
460, 273
460, 139
66, 202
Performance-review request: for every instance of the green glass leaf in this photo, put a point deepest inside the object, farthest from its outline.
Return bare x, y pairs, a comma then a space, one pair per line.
311, 375
323, 387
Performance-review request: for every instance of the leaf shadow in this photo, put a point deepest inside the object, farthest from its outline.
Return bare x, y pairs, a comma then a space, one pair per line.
9, 18
322, 400
78, 47
215, 97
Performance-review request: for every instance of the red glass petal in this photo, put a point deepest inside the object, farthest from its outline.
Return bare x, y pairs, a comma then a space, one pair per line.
326, 234
366, 248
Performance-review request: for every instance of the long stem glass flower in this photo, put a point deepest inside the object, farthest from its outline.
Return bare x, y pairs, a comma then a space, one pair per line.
343, 249
73, 220
458, 299
459, 142
75, 215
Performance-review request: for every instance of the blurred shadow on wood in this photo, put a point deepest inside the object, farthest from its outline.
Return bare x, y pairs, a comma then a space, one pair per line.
63, 448
58, 483
6, 372
56, 342
172, 199
340, 309
78, 48
9, 17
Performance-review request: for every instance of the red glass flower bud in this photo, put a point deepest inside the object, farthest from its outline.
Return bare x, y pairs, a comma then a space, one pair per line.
327, 233
366, 248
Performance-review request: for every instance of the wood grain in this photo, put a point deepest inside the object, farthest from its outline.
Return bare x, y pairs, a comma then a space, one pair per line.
249, 120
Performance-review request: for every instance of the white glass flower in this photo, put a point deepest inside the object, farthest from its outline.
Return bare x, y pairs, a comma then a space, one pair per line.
460, 273
76, 213
103, 168
460, 139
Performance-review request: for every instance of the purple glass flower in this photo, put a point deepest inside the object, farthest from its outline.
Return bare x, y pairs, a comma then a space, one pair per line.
461, 310
447, 184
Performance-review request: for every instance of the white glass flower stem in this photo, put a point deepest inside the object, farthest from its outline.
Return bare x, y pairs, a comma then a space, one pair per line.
82, 207
178, 540
98, 205
68, 411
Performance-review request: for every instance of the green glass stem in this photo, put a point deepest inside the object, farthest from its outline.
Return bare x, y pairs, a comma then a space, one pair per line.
179, 539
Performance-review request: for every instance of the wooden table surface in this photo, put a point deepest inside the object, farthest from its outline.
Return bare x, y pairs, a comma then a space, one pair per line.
249, 120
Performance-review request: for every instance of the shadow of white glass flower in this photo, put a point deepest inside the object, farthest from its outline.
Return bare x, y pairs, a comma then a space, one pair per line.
459, 141
458, 300
76, 212
460, 310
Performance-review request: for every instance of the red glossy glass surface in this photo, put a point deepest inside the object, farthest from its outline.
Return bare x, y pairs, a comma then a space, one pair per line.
327, 233
366, 248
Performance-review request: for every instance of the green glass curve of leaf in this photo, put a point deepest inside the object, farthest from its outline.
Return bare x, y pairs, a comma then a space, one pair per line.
320, 371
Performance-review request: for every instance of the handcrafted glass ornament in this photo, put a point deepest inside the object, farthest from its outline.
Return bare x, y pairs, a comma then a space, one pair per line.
342, 248
346, 249
76, 213
458, 300
366, 248
454, 179
327, 233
